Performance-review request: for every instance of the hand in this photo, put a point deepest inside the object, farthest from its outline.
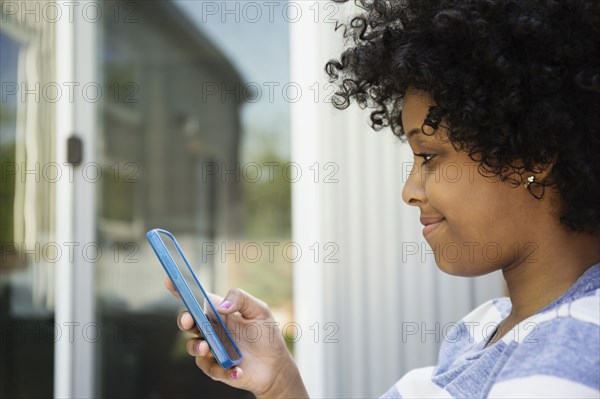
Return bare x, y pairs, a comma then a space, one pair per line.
267, 368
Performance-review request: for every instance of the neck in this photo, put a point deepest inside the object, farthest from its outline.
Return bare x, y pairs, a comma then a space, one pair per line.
548, 269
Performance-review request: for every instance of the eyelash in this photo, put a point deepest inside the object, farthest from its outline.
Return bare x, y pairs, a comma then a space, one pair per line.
424, 156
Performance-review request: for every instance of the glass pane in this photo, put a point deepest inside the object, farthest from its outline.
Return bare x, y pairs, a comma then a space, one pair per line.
27, 254
180, 132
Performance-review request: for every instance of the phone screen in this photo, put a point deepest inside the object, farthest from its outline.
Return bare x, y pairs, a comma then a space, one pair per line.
203, 301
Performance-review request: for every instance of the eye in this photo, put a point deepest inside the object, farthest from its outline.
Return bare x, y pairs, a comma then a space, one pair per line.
426, 157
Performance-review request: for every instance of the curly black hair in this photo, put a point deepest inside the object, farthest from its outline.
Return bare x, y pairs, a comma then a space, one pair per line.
517, 82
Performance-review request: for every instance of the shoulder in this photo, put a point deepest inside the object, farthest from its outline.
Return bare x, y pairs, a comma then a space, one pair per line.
573, 323
555, 350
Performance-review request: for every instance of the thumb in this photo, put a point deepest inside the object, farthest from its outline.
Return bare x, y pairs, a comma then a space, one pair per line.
214, 299
238, 300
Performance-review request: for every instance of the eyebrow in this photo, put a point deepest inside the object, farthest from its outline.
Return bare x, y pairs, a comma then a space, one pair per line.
412, 132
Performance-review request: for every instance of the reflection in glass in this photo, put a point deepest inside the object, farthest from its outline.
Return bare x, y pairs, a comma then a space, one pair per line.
27, 253
158, 140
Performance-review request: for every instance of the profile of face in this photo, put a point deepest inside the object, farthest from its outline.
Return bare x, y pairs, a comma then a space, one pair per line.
484, 223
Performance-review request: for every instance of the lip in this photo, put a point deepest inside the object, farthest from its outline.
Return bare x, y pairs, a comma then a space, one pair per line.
431, 223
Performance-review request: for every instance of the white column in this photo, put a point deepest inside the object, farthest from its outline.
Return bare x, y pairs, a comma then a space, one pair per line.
306, 205
75, 209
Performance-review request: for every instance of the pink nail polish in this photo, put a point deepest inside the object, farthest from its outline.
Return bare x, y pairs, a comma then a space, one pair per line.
225, 305
234, 375
198, 347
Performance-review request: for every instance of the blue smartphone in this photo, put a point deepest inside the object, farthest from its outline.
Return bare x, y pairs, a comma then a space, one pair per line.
194, 297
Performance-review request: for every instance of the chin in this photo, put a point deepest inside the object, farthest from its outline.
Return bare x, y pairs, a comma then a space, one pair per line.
464, 268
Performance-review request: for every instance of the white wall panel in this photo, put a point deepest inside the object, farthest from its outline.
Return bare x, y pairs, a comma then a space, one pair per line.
376, 291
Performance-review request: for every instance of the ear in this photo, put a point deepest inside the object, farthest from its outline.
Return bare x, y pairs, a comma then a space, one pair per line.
540, 174
536, 182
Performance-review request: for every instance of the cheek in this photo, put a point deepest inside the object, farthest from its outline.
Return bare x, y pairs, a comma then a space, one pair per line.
468, 205
475, 203
480, 229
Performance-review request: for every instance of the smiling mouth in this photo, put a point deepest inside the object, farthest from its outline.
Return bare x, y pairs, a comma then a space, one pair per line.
431, 226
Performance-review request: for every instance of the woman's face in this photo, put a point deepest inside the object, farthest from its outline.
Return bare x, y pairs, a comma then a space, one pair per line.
484, 224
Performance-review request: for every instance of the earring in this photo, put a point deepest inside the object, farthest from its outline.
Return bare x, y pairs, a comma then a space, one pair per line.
536, 189
529, 181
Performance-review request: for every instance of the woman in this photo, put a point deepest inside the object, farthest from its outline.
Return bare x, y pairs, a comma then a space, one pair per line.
509, 92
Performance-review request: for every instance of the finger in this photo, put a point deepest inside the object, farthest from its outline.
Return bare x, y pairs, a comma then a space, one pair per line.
214, 298
238, 300
186, 323
171, 287
235, 373
212, 369
197, 347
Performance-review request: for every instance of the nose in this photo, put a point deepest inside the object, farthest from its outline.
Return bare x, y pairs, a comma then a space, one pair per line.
413, 192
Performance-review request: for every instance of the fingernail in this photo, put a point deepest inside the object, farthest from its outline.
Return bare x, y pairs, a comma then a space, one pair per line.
225, 305
198, 347
234, 375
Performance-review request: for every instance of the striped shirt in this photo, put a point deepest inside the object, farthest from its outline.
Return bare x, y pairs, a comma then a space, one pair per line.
552, 354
